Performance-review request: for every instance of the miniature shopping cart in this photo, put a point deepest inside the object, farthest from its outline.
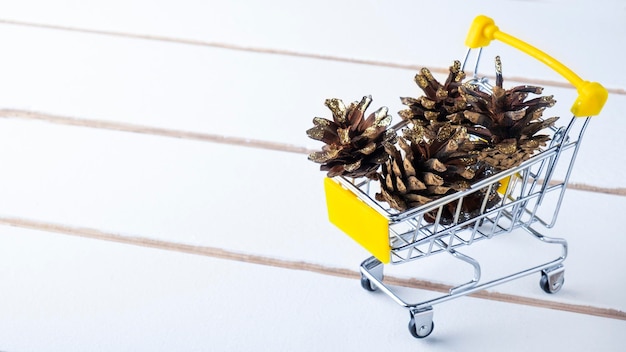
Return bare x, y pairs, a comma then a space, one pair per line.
539, 183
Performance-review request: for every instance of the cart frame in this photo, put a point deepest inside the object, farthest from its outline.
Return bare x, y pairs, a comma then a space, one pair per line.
400, 237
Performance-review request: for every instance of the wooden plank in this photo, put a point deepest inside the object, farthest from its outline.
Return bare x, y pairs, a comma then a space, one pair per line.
118, 297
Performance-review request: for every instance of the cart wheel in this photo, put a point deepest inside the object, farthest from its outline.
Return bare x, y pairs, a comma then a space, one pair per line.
553, 287
420, 332
367, 284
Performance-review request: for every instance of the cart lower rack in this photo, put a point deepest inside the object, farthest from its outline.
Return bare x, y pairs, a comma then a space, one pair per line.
527, 193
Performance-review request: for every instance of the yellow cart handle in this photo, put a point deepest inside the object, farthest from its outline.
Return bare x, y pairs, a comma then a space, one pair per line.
591, 95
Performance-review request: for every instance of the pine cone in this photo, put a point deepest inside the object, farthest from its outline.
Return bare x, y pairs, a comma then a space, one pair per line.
507, 121
438, 160
441, 102
355, 146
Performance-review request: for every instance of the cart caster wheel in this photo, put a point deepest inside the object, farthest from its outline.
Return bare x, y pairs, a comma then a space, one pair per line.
367, 284
551, 282
420, 332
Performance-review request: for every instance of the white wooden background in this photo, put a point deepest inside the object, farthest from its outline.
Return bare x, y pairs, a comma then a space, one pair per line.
155, 193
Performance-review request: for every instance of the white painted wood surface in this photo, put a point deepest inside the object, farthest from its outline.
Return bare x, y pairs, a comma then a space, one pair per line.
168, 71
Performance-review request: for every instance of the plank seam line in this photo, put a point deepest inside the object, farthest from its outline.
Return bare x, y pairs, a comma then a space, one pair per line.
220, 253
152, 131
282, 52
213, 138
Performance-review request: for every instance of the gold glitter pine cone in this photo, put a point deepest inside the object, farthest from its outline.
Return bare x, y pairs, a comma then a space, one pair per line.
440, 102
355, 146
507, 121
433, 161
